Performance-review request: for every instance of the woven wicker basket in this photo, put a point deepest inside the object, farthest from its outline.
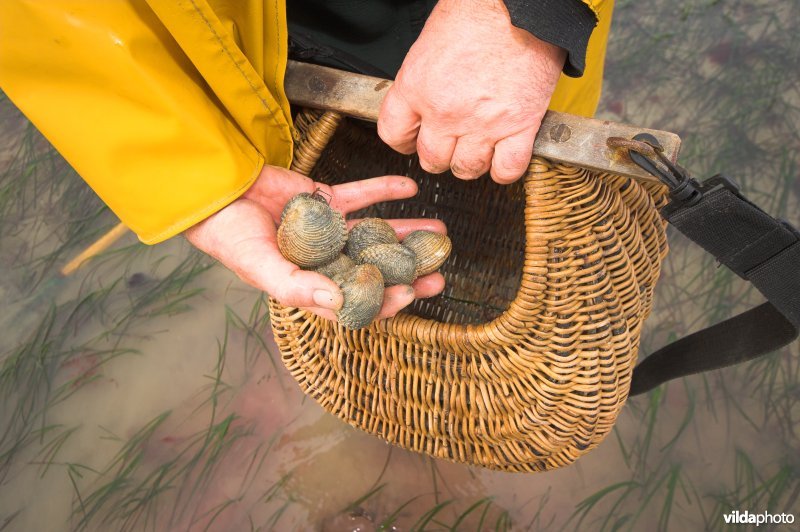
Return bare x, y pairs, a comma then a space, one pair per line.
525, 360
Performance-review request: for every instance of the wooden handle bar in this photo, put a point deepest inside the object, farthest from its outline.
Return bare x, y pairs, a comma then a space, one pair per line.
562, 137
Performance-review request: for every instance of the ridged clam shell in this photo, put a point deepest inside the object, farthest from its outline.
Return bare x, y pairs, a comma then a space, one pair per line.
340, 264
300, 198
366, 233
311, 233
432, 250
396, 262
362, 288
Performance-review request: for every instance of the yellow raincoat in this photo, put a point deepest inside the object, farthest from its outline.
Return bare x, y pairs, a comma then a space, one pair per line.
170, 108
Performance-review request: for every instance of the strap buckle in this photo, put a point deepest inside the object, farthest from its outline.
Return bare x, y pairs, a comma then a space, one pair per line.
645, 150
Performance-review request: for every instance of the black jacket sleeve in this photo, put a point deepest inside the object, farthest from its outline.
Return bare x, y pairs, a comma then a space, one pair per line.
565, 23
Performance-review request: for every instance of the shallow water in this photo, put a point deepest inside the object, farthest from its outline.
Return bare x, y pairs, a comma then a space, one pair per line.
144, 392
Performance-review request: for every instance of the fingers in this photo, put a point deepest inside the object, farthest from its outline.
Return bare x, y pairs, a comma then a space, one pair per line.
322, 312
429, 285
472, 158
396, 298
512, 155
303, 289
264, 267
276, 186
398, 123
269, 270
349, 197
434, 150
468, 157
404, 226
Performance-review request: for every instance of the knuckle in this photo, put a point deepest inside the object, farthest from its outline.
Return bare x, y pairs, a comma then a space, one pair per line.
506, 175
426, 165
463, 172
425, 152
511, 162
470, 167
401, 142
385, 132
503, 178
430, 161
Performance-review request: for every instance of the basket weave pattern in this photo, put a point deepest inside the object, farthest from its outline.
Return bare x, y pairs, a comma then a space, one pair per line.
525, 361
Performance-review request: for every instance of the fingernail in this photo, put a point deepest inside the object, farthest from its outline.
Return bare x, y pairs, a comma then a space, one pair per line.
327, 299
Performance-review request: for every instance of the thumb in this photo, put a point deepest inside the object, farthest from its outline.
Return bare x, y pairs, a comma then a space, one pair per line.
300, 289
242, 236
260, 264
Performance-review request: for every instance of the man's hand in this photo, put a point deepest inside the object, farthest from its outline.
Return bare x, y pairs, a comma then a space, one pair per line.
471, 93
242, 236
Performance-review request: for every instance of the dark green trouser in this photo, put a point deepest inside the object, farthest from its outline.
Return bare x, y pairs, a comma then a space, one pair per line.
372, 36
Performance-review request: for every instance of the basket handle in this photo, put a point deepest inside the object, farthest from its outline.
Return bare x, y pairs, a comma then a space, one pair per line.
562, 137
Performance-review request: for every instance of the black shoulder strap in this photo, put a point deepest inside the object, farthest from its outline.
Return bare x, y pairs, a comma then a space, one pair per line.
755, 246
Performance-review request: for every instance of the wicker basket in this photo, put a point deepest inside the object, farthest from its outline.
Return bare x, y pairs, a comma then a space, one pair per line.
525, 360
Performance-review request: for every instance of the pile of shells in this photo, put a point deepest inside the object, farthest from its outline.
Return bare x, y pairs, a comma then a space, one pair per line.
314, 236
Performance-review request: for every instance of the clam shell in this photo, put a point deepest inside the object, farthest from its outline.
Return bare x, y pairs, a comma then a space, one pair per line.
366, 233
339, 265
396, 262
300, 198
432, 250
362, 288
311, 233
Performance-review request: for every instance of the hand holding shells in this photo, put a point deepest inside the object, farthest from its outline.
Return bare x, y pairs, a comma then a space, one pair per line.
243, 237
313, 235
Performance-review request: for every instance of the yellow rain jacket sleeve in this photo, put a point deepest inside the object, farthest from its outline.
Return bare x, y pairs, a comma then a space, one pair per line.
155, 105
169, 109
